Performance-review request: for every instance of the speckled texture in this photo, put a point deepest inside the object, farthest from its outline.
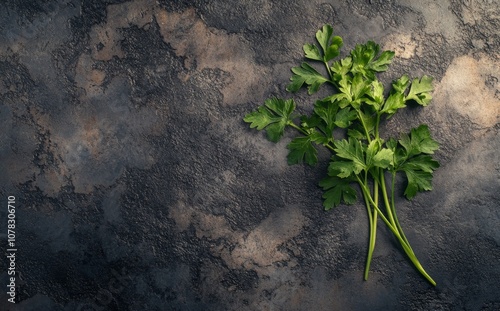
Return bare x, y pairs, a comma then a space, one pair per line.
139, 187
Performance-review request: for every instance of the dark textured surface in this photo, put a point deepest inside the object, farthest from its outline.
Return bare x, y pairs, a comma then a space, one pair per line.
139, 187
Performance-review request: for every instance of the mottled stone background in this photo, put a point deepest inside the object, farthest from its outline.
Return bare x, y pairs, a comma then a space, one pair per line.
139, 187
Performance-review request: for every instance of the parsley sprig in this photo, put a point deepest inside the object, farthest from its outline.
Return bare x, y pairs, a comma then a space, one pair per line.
357, 106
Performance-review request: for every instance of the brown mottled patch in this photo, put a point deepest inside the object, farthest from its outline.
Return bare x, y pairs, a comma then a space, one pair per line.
92, 136
182, 214
257, 250
105, 38
201, 46
53, 176
465, 88
97, 76
204, 47
260, 247
87, 78
439, 19
402, 44
474, 12
51, 181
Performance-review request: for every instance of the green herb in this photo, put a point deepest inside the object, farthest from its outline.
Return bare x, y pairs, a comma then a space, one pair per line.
357, 107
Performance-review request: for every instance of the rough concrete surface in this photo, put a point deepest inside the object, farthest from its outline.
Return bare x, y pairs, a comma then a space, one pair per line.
139, 187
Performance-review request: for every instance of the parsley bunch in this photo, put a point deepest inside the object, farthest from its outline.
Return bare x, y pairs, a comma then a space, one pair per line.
357, 106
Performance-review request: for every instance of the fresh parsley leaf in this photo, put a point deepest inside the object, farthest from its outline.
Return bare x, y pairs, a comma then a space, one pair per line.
327, 111
419, 141
380, 64
302, 150
272, 116
344, 117
414, 159
378, 157
394, 102
344, 97
371, 150
367, 60
334, 49
355, 133
392, 144
420, 91
352, 91
351, 149
422, 162
341, 67
323, 36
366, 115
344, 169
400, 85
384, 158
337, 190
376, 94
329, 44
360, 87
308, 75
418, 180
312, 52
399, 154
311, 122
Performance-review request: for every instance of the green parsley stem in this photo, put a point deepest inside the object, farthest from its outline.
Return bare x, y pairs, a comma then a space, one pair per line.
370, 222
366, 193
360, 117
393, 208
303, 131
406, 247
328, 70
372, 218
377, 137
386, 199
298, 128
